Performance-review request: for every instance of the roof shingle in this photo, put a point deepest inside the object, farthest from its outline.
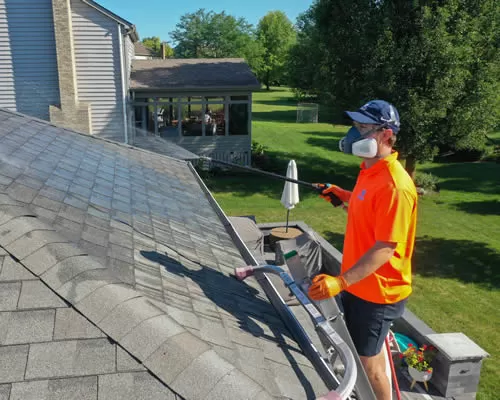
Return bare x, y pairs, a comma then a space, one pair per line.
131, 270
193, 73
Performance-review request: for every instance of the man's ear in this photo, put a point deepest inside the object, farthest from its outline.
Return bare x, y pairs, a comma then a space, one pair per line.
387, 134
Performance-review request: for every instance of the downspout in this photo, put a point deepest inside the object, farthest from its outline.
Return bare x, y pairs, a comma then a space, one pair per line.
124, 83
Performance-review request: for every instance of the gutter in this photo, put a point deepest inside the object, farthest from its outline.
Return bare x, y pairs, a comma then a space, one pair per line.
109, 14
121, 44
252, 88
278, 303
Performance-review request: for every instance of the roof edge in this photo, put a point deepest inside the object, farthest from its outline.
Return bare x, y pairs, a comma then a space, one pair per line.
267, 286
237, 240
134, 322
109, 14
252, 88
128, 146
199, 60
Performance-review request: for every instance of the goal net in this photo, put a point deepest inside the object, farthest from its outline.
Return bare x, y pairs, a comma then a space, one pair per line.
307, 112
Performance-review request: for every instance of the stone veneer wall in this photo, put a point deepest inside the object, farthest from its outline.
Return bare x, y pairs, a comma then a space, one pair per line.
70, 113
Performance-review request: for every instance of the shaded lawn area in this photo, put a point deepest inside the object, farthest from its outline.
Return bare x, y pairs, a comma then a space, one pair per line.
457, 255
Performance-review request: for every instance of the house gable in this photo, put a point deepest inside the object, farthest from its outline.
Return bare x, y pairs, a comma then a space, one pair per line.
97, 48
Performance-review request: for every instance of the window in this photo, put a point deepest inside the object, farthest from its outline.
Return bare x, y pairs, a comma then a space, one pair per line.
239, 98
192, 119
168, 118
215, 118
192, 116
238, 119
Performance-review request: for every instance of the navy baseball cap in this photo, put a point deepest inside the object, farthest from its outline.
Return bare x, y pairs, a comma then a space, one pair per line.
378, 112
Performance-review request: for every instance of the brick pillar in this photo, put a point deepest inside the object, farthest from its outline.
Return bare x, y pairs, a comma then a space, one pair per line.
70, 113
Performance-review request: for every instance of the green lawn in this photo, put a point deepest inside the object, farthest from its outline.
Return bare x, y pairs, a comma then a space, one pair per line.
457, 260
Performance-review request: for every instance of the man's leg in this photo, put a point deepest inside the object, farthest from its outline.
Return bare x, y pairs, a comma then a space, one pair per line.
375, 369
369, 324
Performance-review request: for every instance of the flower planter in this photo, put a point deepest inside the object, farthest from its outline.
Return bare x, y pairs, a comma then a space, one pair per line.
419, 376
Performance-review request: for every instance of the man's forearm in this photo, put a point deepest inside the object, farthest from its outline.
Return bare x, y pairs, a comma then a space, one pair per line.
373, 259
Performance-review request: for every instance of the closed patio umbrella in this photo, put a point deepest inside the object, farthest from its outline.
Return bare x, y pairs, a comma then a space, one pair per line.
290, 196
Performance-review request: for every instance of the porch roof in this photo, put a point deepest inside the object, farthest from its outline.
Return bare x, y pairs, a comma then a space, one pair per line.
193, 74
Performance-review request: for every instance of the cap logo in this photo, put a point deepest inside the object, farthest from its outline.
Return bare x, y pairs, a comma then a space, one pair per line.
365, 106
392, 117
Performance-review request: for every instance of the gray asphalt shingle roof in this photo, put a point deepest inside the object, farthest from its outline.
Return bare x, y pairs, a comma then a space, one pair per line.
115, 280
164, 146
141, 50
187, 73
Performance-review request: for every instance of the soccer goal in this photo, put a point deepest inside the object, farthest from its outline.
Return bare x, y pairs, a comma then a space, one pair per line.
307, 112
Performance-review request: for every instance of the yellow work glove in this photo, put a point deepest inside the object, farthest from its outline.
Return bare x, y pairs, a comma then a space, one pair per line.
325, 286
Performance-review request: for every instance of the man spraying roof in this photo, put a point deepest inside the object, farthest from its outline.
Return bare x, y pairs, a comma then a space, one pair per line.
375, 279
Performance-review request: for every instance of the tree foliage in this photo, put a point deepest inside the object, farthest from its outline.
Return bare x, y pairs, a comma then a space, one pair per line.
209, 34
305, 73
276, 34
154, 43
436, 60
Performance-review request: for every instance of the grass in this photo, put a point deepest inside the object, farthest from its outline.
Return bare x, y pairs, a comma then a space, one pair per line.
457, 256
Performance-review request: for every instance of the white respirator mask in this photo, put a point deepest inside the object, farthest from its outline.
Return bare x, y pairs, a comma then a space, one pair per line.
357, 144
365, 148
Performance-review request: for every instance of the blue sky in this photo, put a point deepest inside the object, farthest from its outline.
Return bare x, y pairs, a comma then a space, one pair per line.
158, 17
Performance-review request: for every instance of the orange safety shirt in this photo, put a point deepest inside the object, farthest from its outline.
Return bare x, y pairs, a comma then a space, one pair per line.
382, 207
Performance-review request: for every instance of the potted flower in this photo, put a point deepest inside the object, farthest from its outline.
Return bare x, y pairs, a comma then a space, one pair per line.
418, 361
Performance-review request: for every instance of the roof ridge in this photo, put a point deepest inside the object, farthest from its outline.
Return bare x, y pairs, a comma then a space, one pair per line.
124, 145
212, 59
135, 323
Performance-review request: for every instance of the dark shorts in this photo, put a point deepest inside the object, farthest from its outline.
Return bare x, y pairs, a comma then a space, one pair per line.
368, 323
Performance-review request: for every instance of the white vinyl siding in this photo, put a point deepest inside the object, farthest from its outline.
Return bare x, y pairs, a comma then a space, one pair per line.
98, 70
130, 52
28, 64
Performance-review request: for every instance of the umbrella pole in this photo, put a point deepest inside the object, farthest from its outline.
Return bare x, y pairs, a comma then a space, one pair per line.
287, 215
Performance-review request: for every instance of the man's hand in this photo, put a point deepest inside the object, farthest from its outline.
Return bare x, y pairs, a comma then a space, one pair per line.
342, 194
325, 286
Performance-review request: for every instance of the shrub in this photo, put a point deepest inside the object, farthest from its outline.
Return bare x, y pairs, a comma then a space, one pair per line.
259, 156
427, 181
493, 155
258, 149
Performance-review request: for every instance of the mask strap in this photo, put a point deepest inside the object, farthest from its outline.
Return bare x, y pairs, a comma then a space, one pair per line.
378, 128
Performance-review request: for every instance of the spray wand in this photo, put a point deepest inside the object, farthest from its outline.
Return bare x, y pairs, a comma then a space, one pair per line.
319, 187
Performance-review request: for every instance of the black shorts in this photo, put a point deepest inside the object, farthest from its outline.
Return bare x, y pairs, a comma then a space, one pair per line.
367, 322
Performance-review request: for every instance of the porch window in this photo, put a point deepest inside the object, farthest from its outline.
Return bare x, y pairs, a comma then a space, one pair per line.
192, 114
238, 119
173, 117
215, 116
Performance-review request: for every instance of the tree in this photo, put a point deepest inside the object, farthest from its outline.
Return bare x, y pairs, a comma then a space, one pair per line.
305, 73
276, 34
211, 35
436, 60
169, 51
154, 43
